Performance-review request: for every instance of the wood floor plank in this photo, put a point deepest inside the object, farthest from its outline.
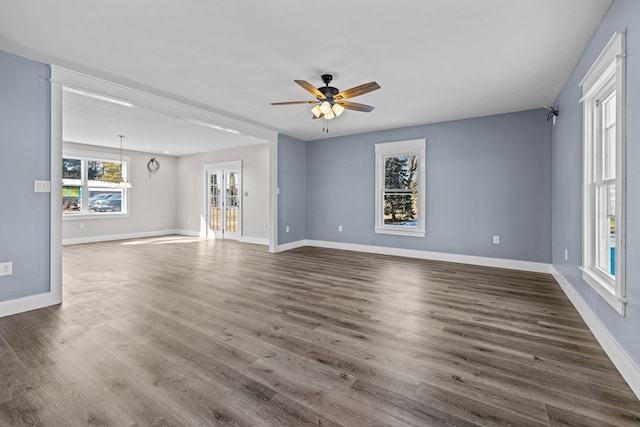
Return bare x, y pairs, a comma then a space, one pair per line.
186, 331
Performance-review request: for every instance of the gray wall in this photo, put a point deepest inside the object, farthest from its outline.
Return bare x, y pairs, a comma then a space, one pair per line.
25, 114
152, 202
485, 176
191, 214
567, 178
292, 182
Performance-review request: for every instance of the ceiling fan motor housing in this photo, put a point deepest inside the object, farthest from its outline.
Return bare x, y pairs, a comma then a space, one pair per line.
328, 91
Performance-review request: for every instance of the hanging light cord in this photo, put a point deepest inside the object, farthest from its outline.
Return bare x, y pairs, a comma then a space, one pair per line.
153, 166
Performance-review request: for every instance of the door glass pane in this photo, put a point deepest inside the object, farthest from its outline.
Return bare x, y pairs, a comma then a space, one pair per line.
232, 202
215, 202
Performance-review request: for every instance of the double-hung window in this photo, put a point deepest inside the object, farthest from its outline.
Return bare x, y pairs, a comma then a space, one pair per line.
91, 184
400, 182
603, 258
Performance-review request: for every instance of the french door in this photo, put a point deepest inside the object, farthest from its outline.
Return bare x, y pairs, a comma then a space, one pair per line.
224, 200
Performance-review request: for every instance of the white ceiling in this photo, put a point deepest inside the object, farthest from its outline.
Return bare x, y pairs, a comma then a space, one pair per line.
90, 121
435, 60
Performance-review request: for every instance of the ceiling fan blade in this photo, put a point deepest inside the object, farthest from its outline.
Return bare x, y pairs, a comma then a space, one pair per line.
310, 88
358, 90
293, 102
356, 106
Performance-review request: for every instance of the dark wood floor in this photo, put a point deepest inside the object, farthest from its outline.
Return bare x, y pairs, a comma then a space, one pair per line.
181, 331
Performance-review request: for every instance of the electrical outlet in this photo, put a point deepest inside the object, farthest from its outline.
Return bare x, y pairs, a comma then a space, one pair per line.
6, 268
81, 225
286, 229
496, 240
340, 228
566, 251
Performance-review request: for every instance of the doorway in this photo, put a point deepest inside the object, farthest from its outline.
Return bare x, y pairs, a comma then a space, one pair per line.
224, 200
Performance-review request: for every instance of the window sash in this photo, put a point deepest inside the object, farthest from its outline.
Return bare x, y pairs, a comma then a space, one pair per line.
83, 206
603, 224
408, 215
603, 166
404, 213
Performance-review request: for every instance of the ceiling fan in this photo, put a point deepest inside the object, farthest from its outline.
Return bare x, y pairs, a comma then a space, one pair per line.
330, 102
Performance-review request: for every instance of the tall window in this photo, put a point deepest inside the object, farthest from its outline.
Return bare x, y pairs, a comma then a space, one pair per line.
400, 177
90, 184
603, 183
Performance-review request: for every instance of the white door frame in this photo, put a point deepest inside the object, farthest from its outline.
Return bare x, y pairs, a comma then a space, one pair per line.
223, 169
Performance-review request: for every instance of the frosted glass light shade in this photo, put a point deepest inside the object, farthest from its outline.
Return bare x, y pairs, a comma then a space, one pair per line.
337, 109
316, 111
325, 107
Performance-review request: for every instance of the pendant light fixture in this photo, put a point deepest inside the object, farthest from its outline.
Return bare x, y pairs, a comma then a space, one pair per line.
123, 182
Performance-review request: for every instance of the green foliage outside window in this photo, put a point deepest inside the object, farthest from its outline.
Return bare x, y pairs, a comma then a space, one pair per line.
401, 184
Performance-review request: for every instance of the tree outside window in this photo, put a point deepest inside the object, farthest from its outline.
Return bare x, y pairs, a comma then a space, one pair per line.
400, 176
401, 190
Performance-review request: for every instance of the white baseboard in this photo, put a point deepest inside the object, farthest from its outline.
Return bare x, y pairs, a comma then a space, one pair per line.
292, 245
126, 236
32, 302
626, 366
537, 267
190, 233
254, 240
107, 238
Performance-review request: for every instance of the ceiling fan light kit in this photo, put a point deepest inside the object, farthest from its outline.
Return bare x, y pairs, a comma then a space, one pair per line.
337, 109
330, 102
325, 107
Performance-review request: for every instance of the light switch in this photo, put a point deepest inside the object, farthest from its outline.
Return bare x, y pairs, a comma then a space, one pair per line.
42, 186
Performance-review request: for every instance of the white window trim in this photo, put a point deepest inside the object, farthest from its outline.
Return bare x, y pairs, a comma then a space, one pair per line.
400, 148
608, 67
98, 155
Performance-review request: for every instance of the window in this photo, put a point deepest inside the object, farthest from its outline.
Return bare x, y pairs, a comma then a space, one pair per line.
603, 182
90, 184
400, 178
